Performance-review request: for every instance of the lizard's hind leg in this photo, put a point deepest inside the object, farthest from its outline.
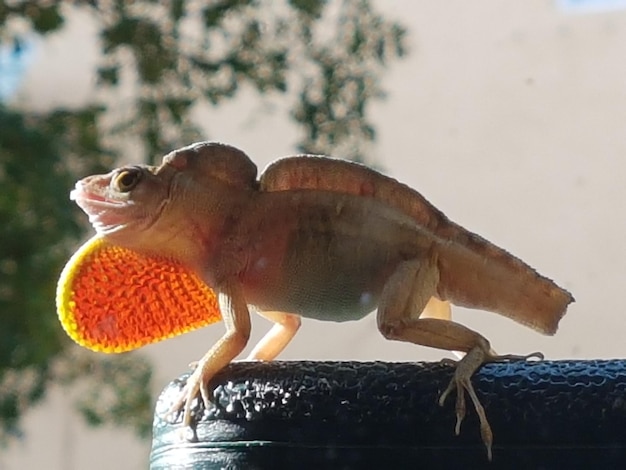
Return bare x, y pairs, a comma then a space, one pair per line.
286, 325
405, 296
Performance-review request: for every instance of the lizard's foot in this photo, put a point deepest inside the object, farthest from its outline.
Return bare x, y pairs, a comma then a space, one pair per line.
197, 384
461, 382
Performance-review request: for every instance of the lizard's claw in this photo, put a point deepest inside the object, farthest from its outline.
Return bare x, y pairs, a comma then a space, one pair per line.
461, 382
196, 385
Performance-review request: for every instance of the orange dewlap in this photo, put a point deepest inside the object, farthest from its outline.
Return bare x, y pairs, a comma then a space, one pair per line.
111, 299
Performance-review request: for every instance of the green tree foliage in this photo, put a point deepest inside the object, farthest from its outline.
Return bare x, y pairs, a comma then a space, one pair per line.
326, 56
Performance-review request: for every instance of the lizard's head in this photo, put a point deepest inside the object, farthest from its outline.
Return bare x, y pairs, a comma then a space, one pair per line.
174, 209
128, 199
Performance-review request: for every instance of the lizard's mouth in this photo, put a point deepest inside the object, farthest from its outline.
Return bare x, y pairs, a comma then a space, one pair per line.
105, 213
81, 195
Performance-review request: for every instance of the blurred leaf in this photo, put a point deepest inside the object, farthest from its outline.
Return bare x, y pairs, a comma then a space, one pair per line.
311, 8
177, 9
118, 392
215, 13
108, 75
46, 18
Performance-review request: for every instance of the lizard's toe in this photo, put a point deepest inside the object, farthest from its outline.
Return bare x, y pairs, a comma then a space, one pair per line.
515, 357
184, 402
461, 383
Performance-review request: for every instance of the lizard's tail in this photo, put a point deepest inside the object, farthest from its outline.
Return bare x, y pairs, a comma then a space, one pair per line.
497, 281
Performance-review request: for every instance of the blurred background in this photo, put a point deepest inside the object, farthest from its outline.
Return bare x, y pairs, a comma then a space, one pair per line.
508, 116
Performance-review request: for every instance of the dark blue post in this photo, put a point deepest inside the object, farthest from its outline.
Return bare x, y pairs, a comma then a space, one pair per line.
550, 414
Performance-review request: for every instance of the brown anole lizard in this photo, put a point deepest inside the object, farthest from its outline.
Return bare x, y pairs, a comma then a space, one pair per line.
312, 237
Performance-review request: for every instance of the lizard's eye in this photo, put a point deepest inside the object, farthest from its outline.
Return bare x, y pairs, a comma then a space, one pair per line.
126, 180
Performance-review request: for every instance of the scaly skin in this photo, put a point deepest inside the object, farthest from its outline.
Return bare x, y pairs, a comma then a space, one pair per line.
320, 238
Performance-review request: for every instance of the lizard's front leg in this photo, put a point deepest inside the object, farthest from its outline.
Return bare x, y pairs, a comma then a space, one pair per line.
404, 297
237, 321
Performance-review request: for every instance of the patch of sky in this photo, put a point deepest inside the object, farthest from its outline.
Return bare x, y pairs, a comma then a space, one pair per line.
15, 57
590, 6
